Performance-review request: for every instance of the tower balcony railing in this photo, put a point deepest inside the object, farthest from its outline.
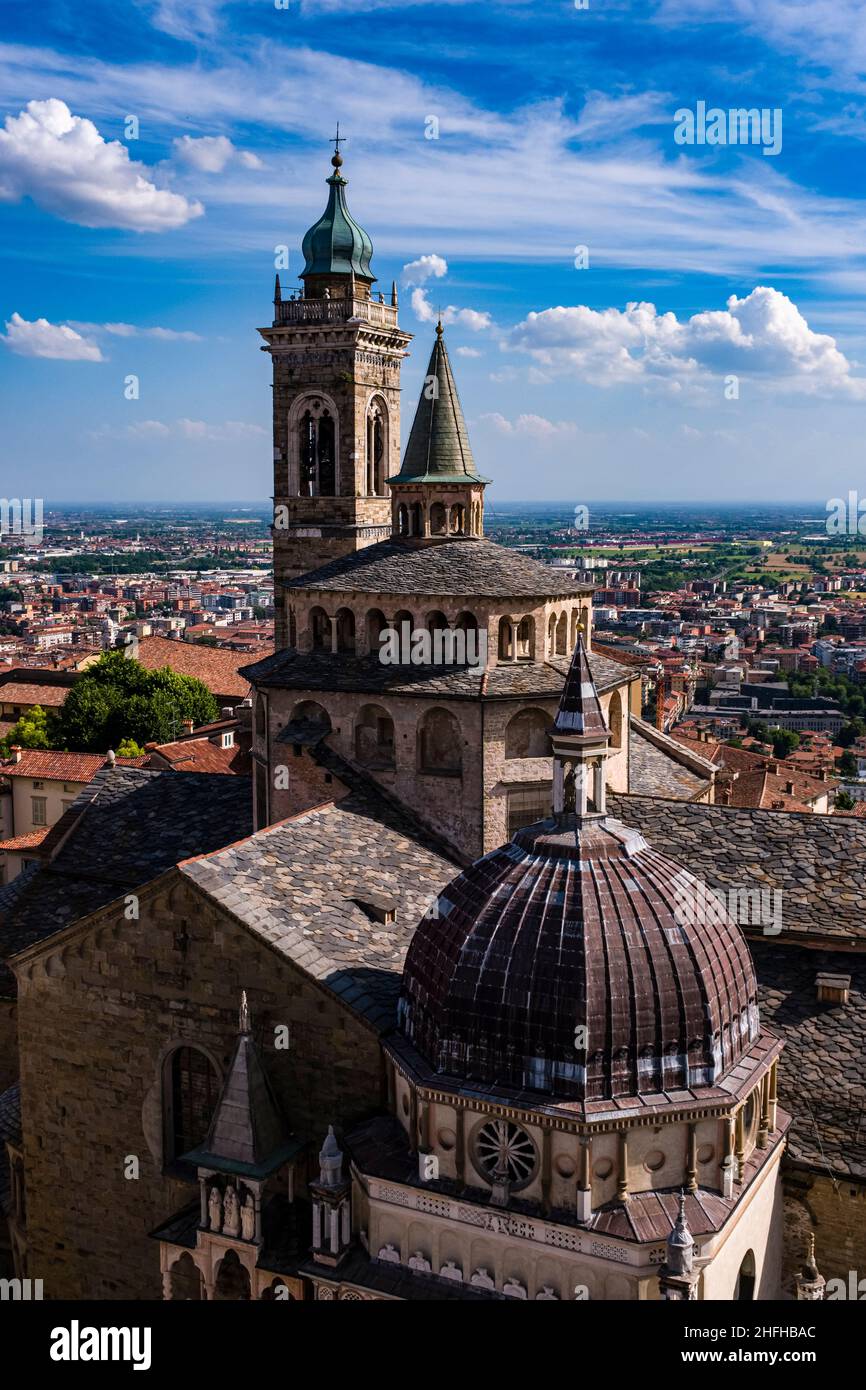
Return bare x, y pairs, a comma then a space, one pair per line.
335, 311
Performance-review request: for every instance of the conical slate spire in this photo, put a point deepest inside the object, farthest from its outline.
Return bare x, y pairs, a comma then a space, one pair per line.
579, 708
438, 450
336, 245
248, 1132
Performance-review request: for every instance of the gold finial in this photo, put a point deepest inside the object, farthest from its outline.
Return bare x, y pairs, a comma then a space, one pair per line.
439, 329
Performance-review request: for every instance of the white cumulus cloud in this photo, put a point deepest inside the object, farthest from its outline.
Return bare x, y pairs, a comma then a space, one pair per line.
473, 319
763, 336
200, 431
40, 338
424, 269
211, 153
62, 162
132, 330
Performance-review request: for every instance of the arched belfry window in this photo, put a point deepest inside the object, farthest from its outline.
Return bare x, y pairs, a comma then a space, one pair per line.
317, 451
191, 1088
376, 439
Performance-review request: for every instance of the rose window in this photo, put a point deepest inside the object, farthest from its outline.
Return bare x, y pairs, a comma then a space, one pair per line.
503, 1149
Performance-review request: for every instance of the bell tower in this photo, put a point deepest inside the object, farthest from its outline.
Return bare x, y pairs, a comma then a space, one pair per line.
337, 350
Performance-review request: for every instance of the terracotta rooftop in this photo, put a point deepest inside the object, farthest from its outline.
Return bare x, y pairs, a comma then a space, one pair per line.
217, 668
23, 693
45, 763
31, 839
201, 755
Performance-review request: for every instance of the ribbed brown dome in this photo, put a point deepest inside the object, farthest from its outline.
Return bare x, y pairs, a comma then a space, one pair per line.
562, 930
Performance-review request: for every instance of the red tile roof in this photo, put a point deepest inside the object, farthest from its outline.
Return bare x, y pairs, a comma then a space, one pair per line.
31, 839
60, 767
200, 755
21, 693
216, 667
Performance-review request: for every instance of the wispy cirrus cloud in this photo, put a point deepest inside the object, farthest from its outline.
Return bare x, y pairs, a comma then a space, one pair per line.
196, 431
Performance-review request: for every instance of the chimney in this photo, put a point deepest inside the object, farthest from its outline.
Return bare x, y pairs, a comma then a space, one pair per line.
187, 726
110, 757
15, 750
789, 788
772, 765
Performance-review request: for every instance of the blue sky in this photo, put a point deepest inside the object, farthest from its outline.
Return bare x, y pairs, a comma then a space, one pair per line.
556, 130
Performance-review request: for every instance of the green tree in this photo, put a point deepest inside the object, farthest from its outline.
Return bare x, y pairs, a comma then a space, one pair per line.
847, 765
119, 699
33, 730
784, 742
844, 801
128, 748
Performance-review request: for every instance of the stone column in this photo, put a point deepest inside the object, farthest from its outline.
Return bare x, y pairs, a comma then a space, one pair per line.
546, 1145
333, 622
692, 1160
334, 1230
764, 1123
772, 1100
741, 1143
584, 1181
728, 1164
622, 1174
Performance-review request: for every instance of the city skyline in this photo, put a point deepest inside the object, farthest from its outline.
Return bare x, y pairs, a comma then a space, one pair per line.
154, 256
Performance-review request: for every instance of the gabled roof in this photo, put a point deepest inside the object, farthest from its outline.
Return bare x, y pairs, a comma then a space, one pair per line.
124, 830
217, 667
438, 450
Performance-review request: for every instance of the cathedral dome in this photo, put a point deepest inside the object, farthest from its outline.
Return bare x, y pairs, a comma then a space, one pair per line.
578, 962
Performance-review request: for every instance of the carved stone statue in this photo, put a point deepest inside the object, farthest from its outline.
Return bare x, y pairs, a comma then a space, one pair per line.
514, 1289
547, 1295
481, 1279
419, 1263
232, 1223
215, 1207
390, 1253
451, 1271
248, 1218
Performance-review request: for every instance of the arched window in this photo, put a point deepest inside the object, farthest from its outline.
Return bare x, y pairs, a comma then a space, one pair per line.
310, 712
506, 642
185, 1280
527, 736
376, 624
317, 451
345, 630
416, 519
525, 639
190, 1093
466, 622
614, 719
293, 628
562, 635
376, 451
551, 635
320, 630
437, 519
374, 737
439, 749
232, 1281
458, 519
403, 616
584, 625
402, 520
745, 1289
436, 622
575, 627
